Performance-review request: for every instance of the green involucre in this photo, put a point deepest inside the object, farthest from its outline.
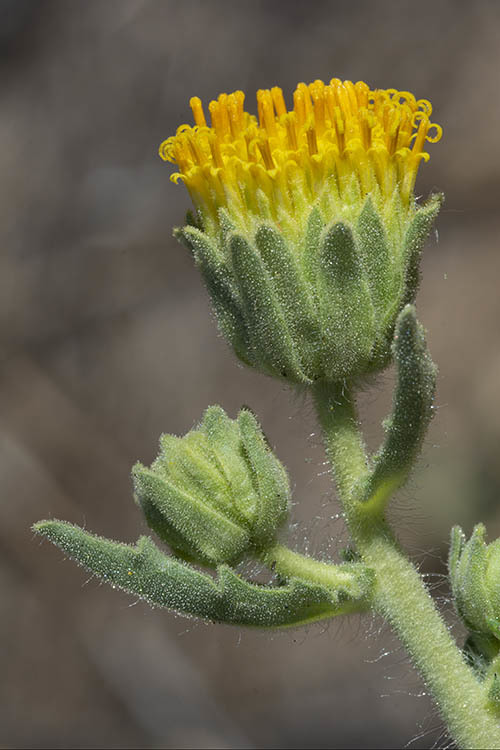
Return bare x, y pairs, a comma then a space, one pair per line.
317, 301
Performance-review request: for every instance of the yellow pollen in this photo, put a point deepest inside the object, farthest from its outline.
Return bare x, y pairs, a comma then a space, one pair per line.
336, 131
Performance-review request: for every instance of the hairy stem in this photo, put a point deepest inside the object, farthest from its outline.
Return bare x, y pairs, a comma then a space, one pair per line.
399, 594
292, 564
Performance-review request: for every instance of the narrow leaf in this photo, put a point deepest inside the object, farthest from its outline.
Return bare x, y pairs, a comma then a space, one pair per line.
146, 572
411, 410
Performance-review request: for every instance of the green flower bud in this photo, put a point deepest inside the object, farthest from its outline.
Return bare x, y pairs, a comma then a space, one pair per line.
216, 494
474, 568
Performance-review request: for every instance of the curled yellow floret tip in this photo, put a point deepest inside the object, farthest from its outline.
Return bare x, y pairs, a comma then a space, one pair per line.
335, 134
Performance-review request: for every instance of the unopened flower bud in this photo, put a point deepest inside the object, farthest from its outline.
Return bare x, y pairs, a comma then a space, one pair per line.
216, 494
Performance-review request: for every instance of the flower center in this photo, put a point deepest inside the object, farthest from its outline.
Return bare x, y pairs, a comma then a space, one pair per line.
334, 133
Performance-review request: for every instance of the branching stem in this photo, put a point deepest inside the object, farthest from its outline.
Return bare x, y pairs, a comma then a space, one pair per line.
399, 594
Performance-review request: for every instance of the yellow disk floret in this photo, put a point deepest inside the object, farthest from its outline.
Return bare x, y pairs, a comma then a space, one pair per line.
333, 133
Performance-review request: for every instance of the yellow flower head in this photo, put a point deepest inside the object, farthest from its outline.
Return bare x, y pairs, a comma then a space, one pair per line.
336, 136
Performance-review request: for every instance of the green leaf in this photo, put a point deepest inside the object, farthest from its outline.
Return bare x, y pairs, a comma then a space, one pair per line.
141, 569
412, 411
145, 571
295, 603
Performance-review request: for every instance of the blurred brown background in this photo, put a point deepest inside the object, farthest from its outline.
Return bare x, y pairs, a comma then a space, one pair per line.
107, 340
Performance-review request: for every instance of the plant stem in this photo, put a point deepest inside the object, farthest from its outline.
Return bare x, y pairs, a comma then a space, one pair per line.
400, 595
292, 564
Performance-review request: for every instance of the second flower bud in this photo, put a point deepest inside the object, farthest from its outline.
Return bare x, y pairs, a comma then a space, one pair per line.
216, 494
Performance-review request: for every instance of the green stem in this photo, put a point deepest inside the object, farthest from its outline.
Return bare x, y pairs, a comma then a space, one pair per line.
400, 595
292, 564
345, 447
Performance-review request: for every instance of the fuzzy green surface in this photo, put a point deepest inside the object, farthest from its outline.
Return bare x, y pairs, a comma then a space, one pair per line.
399, 593
146, 572
401, 597
474, 568
216, 494
314, 297
412, 410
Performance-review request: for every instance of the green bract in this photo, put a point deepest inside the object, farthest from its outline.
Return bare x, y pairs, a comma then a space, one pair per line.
216, 494
316, 302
